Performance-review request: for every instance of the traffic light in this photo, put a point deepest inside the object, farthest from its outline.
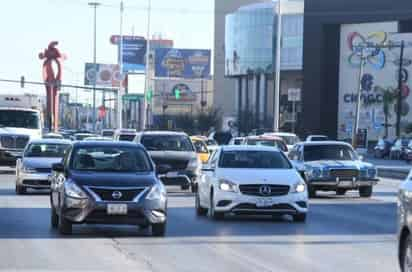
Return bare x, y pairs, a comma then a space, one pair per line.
22, 82
149, 95
177, 94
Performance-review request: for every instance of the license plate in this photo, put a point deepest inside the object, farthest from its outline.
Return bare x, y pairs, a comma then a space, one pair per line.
172, 174
262, 203
117, 209
345, 183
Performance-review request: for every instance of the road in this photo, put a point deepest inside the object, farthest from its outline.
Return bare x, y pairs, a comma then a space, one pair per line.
341, 234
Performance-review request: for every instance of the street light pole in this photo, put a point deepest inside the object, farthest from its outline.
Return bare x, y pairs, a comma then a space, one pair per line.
276, 117
399, 98
146, 105
120, 92
94, 5
358, 98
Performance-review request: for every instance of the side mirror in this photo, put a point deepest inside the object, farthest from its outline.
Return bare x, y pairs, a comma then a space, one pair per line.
162, 169
58, 167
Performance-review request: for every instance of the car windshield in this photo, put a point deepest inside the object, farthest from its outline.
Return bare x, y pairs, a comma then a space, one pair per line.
110, 159
127, 137
167, 143
200, 147
289, 140
267, 142
254, 160
329, 152
19, 119
237, 141
46, 150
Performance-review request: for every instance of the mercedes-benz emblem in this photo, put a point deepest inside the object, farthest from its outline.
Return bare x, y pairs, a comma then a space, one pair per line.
117, 195
265, 190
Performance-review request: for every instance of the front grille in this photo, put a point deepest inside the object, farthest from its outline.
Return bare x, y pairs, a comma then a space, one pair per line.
19, 142
256, 190
248, 206
344, 174
126, 194
175, 165
31, 182
43, 170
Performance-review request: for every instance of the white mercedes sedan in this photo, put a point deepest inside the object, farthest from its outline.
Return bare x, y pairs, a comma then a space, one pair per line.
35, 167
251, 180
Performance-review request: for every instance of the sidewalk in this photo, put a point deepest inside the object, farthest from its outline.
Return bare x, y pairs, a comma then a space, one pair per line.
391, 168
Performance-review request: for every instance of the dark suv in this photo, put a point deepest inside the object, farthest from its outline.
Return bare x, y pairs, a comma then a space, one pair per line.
176, 151
107, 183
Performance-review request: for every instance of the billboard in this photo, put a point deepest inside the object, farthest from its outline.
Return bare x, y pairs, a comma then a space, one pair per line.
106, 75
379, 79
182, 63
133, 53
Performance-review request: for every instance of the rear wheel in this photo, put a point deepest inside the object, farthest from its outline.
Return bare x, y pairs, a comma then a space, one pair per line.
159, 230
65, 226
299, 217
200, 211
312, 192
365, 191
340, 192
212, 213
406, 254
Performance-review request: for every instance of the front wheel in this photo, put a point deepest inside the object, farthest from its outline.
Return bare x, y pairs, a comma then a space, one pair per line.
212, 213
20, 190
406, 254
54, 218
365, 191
65, 226
200, 211
312, 192
159, 230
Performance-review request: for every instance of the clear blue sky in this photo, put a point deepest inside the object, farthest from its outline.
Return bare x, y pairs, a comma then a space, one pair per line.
29, 25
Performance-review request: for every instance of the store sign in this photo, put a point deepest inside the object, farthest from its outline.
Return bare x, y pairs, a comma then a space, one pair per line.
103, 75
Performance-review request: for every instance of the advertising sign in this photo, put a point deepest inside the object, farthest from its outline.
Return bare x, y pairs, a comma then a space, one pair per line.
133, 53
105, 75
182, 63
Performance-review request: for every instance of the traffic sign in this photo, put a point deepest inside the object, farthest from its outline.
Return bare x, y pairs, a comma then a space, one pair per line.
132, 97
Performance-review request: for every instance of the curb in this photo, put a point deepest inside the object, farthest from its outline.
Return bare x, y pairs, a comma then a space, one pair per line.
393, 173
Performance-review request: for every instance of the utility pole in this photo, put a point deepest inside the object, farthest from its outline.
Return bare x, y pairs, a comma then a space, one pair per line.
276, 117
399, 98
94, 5
120, 93
146, 106
358, 98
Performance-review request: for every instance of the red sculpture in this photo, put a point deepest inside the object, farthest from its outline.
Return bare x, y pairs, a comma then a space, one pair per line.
53, 81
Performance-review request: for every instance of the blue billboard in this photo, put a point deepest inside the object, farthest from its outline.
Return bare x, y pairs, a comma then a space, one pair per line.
133, 53
182, 63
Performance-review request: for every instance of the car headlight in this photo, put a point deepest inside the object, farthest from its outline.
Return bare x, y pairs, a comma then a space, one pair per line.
227, 186
28, 170
299, 187
74, 191
157, 192
314, 173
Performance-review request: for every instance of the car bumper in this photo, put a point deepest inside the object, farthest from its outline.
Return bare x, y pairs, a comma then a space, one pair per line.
344, 184
34, 180
9, 157
88, 211
237, 203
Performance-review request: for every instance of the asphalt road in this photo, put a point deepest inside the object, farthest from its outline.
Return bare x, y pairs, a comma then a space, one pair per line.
341, 234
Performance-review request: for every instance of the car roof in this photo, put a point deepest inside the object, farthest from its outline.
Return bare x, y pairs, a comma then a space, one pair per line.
248, 148
317, 135
50, 141
265, 137
280, 134
106, 144
325, 143
197, 138
126, 131
161, 132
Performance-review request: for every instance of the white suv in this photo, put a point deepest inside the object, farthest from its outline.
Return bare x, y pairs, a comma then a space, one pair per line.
251, 180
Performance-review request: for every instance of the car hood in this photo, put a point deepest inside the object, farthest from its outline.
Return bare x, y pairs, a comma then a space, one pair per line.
260, 176
40, 162
172, 155
338, 164
88, 178
33, 133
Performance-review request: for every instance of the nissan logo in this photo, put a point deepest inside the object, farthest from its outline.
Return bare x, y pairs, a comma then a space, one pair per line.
265, 190
117, 195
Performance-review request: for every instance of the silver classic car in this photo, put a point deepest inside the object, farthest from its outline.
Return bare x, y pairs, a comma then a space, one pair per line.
333, 166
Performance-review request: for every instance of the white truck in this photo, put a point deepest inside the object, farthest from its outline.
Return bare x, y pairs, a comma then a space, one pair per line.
20, 121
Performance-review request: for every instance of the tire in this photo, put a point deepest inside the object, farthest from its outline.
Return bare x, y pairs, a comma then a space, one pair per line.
366, 191
212, 213
65, 226
406, 254
159, 230
299, 217
312, 192
340, 192
20, 190
200, 211
54, 218
193, 187
185, 187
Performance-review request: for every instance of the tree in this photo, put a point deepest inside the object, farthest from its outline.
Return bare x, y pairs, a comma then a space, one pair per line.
389, 97
212, 117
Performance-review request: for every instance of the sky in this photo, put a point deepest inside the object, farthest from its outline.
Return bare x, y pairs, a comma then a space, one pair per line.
29, 25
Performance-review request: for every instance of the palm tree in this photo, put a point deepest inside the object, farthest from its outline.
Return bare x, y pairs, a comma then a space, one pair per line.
389, 97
